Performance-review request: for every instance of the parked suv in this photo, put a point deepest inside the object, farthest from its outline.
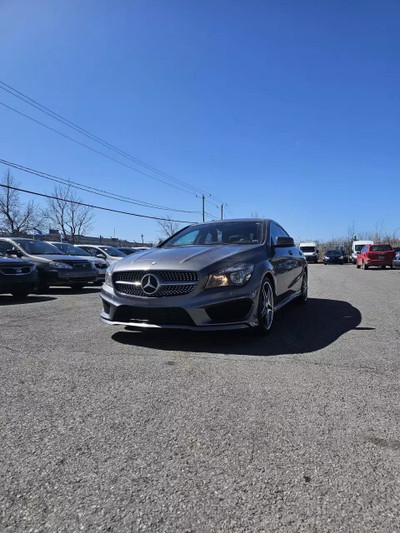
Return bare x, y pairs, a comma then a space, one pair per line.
356, 248
218, 275
54, 267
99, 264
376, 255
17, 277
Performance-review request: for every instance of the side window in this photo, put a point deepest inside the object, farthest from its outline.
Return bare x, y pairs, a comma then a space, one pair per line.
277, 231
363, 249
91, 251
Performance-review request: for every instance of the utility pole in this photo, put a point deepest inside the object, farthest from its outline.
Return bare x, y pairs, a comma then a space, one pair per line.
222, 211
203, 197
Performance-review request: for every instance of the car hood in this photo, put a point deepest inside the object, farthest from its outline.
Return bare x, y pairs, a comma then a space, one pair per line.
188, 257
90, 258
56, 257
8, 261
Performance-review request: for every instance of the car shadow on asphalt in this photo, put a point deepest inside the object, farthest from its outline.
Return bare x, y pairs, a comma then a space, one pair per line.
10, 300
296, 329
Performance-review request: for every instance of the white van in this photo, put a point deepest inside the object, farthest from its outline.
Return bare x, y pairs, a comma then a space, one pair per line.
310, 251
356, 248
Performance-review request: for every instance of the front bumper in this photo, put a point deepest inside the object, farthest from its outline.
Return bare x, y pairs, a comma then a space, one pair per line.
334, 261
211, 309
11, 283
66, 277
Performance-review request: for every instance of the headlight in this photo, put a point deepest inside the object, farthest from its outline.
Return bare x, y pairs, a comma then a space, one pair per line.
60, 266
108, 277
236, 275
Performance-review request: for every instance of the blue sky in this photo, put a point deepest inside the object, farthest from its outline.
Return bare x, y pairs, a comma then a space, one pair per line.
289, 109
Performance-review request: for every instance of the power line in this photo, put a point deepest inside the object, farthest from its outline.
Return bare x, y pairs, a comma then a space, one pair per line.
93, 206
92, 190
93, 149
30, 101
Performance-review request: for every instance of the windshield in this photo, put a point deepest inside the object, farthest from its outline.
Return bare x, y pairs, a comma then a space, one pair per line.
333, 252
217, 233
69, 249
358, 247
112, 251
307, 249
380, 248
38, 247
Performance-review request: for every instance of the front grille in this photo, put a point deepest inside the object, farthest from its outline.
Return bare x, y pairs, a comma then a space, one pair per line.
158, 316
15, 270
79, 265
171, 282
162, 275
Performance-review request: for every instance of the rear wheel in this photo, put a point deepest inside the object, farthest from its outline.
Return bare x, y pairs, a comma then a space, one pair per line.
383, 267
265, 307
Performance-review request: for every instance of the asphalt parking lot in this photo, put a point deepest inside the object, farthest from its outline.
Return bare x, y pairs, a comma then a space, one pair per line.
105, 429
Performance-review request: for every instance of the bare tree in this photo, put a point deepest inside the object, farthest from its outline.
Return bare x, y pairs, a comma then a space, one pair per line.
16, 217
66, 214
168, 227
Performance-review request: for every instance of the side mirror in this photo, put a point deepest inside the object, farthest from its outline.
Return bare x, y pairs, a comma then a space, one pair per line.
284, 242
101, 256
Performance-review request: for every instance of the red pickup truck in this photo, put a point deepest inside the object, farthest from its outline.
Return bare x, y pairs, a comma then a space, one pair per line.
379, 255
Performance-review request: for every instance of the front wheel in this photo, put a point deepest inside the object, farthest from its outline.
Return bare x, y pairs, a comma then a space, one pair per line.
21, 294
265, 307
364, 266
383, 267
302, 299
77, 286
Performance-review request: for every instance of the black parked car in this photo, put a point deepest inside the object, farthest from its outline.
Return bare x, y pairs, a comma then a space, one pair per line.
218, 275
17, 277
333, 256
54, 267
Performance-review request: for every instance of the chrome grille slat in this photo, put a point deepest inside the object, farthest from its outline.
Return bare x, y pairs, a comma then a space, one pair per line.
171, 282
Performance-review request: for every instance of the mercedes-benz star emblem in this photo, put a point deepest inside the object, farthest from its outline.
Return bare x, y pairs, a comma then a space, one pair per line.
150, 284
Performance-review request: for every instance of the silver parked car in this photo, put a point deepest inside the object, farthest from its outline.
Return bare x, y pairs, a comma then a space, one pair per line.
99, 264
218, 275
108, 253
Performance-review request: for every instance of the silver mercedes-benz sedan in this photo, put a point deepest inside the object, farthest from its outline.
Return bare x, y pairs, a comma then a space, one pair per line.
216, 275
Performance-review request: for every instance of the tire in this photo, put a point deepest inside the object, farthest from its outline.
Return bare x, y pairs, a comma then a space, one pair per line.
21, 294
42, 288
303, 298
77, 286
357, 265
383, 267
266, 305
364, 266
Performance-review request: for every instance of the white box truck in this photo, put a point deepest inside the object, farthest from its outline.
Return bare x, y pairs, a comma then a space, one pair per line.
310, 251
